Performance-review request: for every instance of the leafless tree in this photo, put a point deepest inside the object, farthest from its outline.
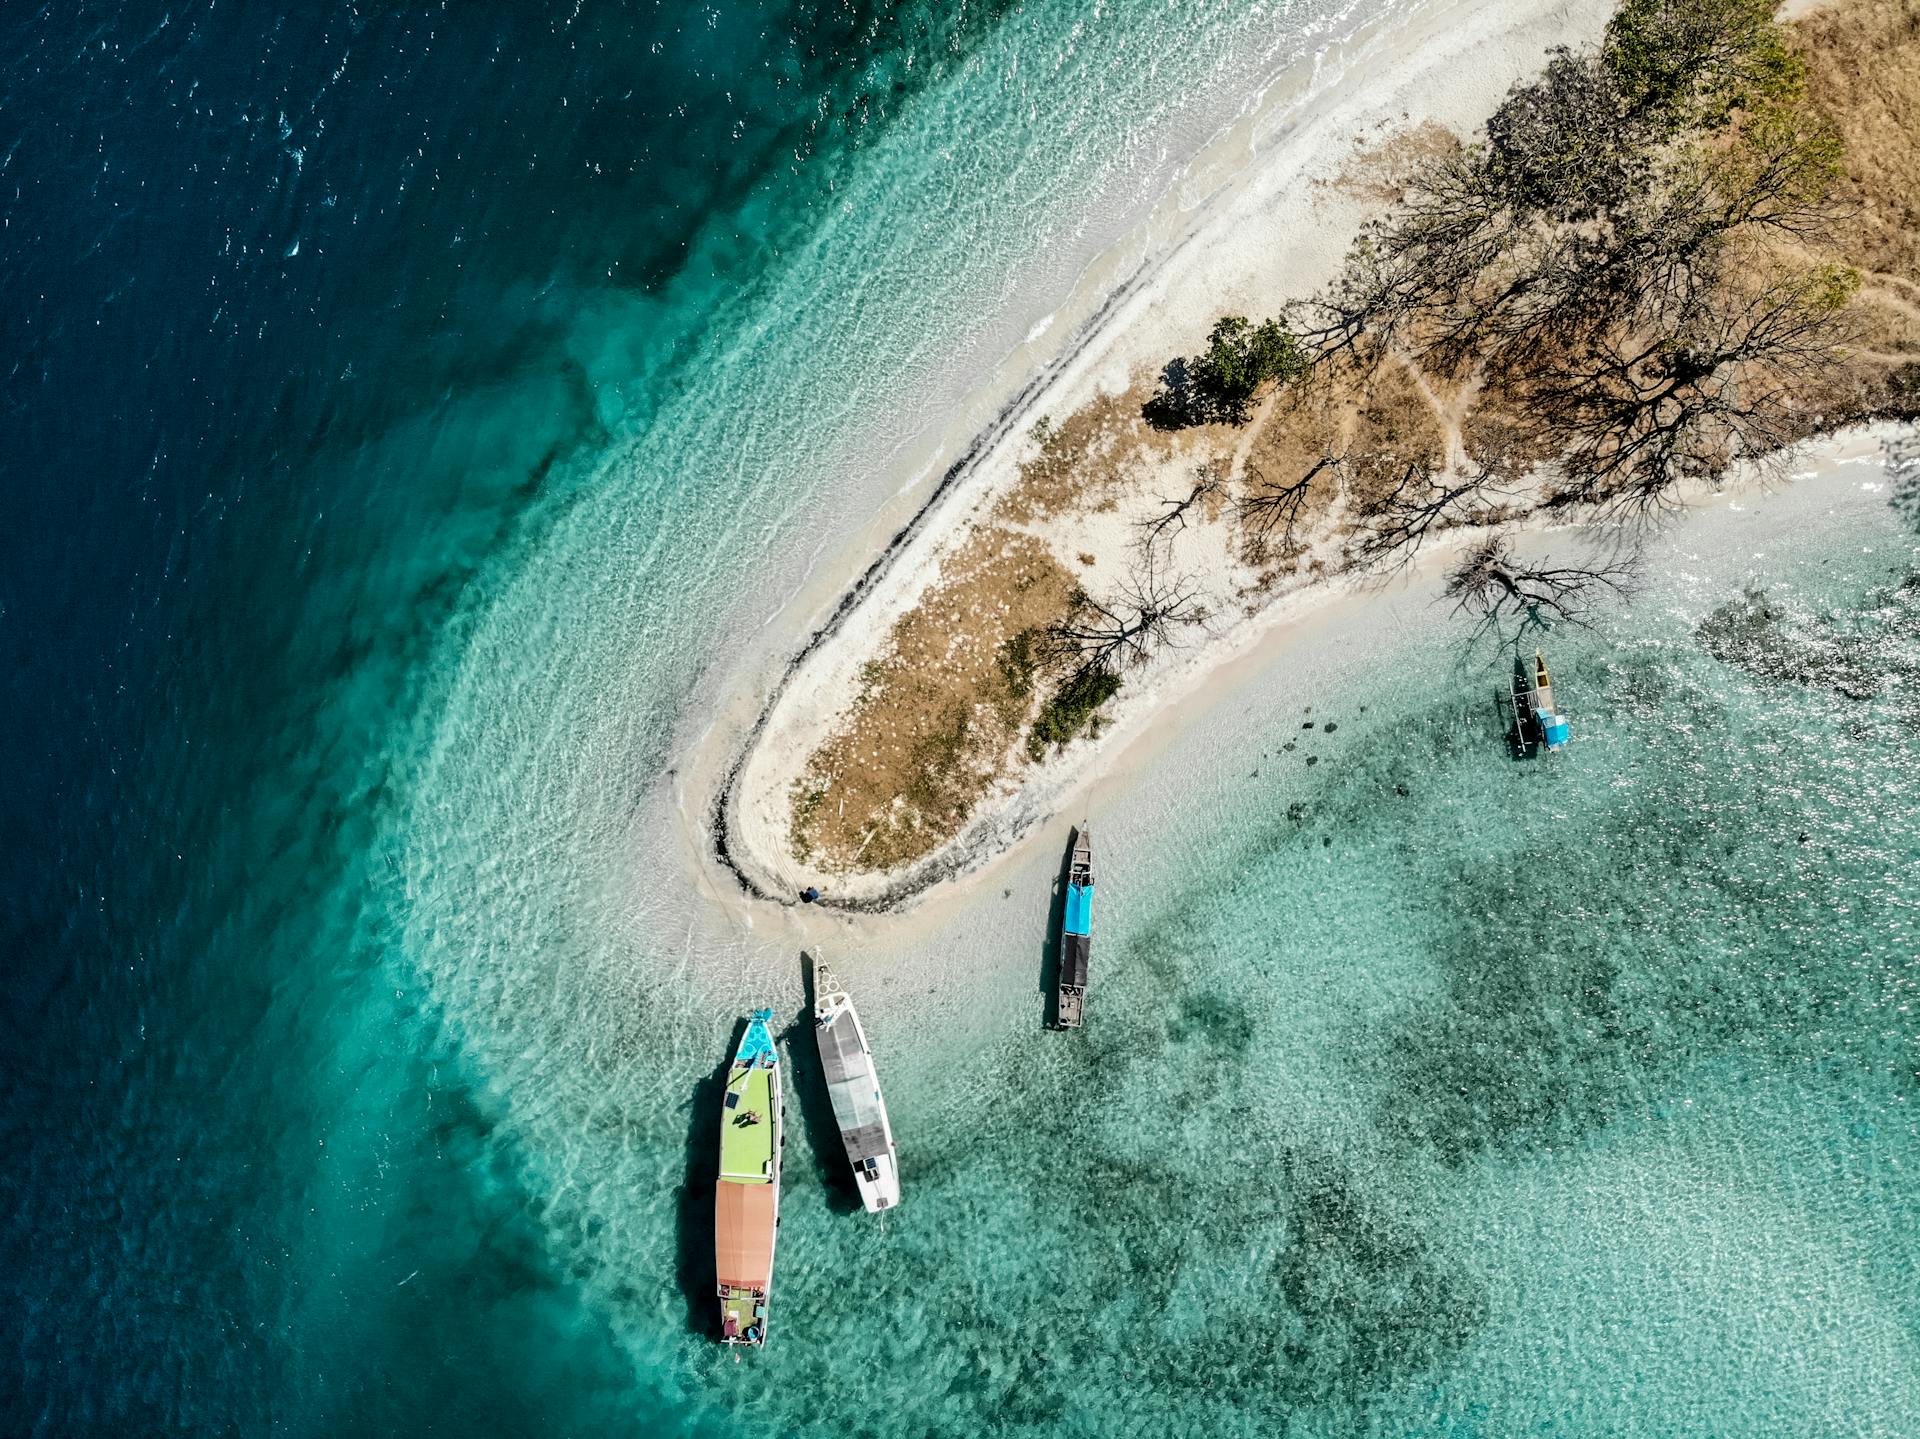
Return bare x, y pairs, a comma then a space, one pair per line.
1422, 503
1556, 145
1682, 236
1635, 413
1498, 591
1268, 507
1406, 272
1172, 517
1147, 610
1563, 226
1619, 267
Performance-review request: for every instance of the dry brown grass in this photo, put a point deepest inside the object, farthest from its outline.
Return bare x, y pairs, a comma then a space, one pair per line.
1499, 440
1394, 425
1376, 424
937, 719
1383, 170
1088, 460
1863, 71
937, 716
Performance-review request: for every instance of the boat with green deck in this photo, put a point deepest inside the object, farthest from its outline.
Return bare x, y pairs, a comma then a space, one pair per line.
746, 1205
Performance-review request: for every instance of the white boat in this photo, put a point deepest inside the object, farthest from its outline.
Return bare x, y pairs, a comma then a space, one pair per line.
855, 1089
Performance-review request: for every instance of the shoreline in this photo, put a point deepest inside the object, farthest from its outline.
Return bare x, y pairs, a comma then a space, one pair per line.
1294, 150
875, 552
994, 912
982, 446
1296, 143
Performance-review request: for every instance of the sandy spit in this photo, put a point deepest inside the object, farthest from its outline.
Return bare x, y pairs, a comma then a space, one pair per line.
1267, 226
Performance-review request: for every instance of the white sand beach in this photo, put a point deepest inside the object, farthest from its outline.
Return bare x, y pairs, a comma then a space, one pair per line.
1261, 218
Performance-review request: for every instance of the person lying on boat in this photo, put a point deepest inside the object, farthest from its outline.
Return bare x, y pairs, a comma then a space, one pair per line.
749, 1118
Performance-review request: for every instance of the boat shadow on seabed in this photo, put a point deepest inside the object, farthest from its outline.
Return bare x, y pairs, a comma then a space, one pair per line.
1050, 946
693, 1228
816, 1104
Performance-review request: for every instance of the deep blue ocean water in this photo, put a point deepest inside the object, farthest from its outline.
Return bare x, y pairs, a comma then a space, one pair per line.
402, 408
322, 322
293, 302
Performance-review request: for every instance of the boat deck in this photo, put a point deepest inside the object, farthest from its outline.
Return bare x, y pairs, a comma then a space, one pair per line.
738, 1310
1070, 1008
746, 1149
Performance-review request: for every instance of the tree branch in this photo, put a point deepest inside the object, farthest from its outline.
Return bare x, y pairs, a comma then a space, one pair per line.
1207, 481
1494, 588
1123, 629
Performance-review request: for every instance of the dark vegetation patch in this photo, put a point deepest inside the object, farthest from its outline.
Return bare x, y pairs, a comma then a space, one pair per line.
1070, 709
1368, 1299
1869, 653
1215, 1021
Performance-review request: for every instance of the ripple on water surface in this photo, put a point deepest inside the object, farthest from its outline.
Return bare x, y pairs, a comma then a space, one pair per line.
1428, 1092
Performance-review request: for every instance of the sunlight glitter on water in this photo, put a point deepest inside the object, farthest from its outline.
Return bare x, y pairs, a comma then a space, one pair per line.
1422, 1091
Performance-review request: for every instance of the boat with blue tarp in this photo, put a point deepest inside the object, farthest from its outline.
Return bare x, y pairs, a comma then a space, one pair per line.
1537, 724
1076, 934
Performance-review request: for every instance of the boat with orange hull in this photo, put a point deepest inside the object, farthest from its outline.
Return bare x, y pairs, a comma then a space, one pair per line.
746, 1203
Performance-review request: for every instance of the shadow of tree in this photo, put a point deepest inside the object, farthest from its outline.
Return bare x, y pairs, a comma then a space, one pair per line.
1176, 405
1185, 400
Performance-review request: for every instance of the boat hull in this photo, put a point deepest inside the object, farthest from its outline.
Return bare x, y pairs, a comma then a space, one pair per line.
746, 1212
1537, 725
859, 1108
880, 1186
1076, 936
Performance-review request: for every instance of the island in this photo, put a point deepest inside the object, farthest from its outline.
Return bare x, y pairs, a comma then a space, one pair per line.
1541, 268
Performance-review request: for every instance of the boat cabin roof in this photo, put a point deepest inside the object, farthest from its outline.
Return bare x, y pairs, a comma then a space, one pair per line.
1079, 909
743, 1220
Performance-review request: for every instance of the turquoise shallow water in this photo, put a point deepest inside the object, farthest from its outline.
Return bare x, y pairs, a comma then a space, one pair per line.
384, 477
404, 410
1429, 1093
1423, 1093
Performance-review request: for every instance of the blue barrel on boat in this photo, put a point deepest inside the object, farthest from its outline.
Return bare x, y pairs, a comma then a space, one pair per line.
1079, 909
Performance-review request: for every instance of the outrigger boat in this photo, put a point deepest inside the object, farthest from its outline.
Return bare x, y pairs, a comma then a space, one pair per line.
746, 1203
855, 1090
1076, 934
1537, 724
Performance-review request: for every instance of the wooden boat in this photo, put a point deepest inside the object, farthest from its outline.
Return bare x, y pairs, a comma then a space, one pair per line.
1076, 934
746, 1203
1554, 729
858, 1107
1537, 724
